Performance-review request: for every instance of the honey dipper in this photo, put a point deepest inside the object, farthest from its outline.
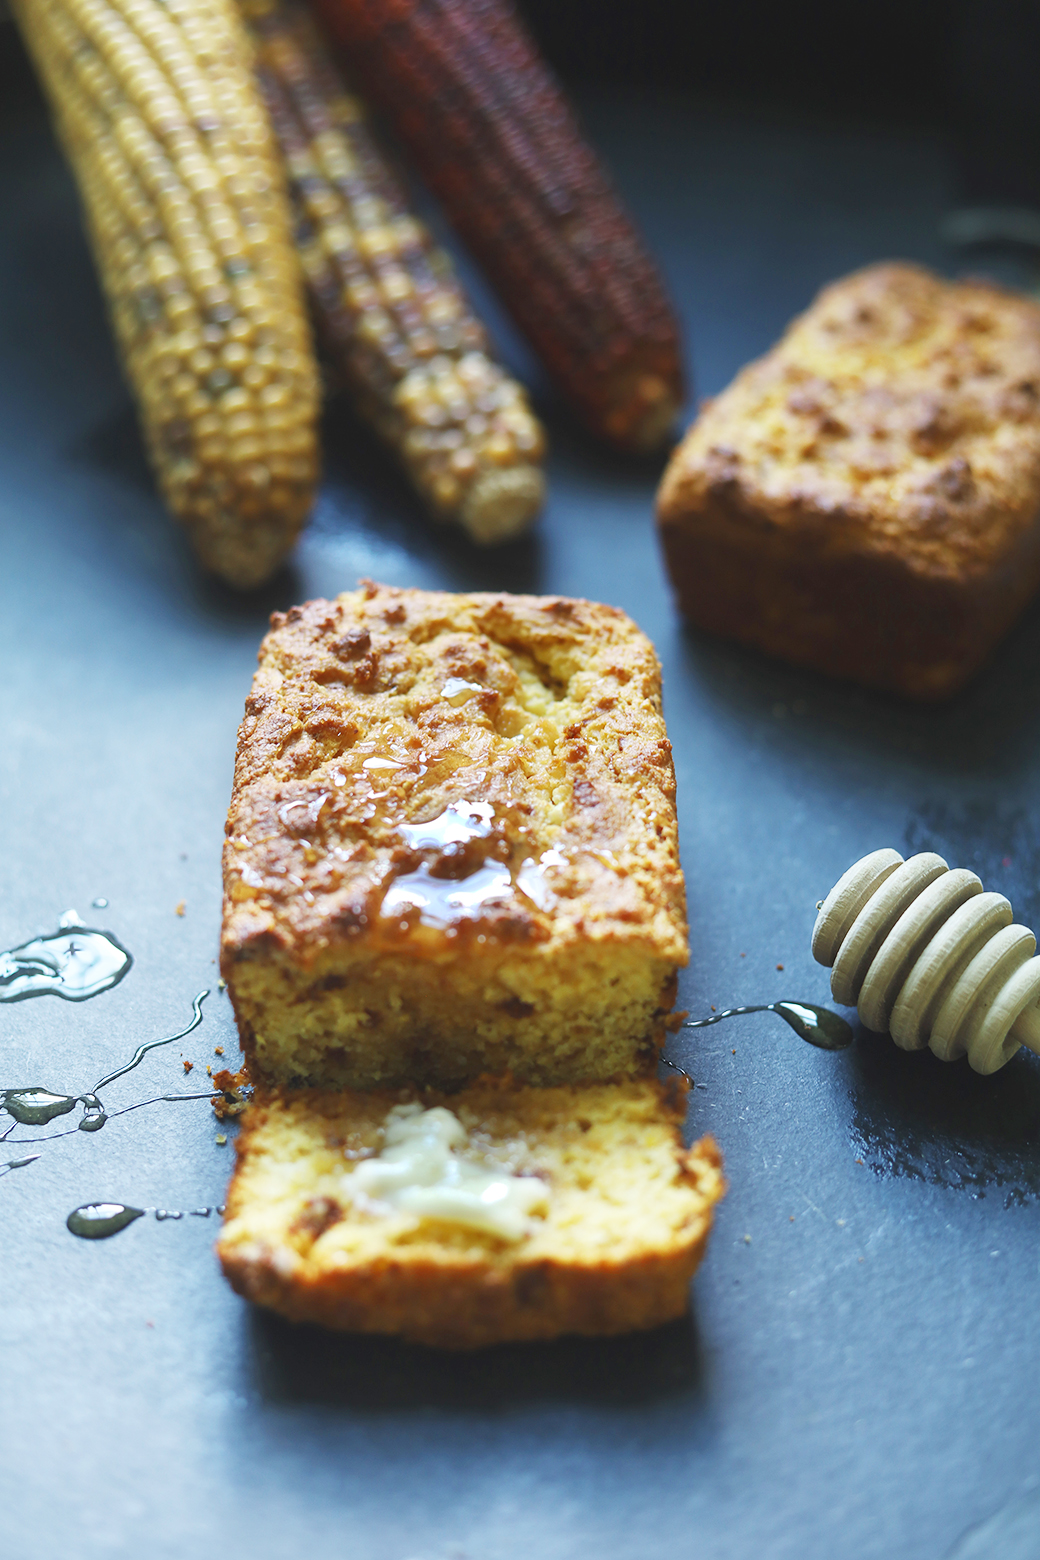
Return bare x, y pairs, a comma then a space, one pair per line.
925, 953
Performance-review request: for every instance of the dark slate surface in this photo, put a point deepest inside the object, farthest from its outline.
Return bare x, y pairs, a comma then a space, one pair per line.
858, 1374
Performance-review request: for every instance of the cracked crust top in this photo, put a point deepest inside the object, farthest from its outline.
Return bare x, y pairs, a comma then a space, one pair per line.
525, 733
900, 417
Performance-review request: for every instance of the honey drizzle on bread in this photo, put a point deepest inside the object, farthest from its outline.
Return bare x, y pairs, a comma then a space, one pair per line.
452, 852
491, 771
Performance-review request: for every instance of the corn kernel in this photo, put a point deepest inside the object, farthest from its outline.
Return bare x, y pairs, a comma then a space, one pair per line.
415, 353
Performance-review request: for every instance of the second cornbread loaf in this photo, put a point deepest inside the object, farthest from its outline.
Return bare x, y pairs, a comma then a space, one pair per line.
865, 499
452, 844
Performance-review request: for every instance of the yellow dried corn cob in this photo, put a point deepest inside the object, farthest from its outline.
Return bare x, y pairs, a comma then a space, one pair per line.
161, 120
394, 318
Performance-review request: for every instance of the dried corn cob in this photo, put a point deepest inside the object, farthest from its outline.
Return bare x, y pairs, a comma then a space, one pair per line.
394, 319
161, 120
497, 142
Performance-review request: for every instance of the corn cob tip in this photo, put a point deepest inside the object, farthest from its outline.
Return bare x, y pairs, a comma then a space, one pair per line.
497, 142
501, 504
394, 320
242, 551
644, 415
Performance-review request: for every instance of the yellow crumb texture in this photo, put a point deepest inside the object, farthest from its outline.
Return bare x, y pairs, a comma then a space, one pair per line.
628, 1215
452, 845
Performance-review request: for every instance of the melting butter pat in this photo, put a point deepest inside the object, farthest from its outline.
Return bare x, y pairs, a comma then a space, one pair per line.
420, 1171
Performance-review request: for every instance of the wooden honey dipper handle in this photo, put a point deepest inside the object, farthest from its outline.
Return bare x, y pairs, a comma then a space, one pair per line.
927, 954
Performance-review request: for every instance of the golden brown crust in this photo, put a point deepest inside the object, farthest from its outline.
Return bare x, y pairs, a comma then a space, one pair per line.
630, 1214
535, 923
865, 499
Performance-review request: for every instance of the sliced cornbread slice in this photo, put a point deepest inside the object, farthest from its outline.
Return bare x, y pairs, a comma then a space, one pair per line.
452, 845
611, 1244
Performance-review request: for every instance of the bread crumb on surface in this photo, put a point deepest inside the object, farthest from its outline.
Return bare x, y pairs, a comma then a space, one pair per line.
235, 1093
178, 908
187, 1066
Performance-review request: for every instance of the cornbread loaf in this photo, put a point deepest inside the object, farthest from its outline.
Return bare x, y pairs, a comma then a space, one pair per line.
865, 499
452, 846
626, 1216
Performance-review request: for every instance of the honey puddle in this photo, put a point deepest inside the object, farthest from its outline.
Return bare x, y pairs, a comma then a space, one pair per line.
816, 1025
458, 824
75, 962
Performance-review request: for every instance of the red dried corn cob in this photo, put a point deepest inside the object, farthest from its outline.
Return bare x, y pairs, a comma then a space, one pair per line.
396, 322
497, 142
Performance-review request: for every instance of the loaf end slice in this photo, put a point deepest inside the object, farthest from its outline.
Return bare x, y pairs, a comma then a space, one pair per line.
625, 1220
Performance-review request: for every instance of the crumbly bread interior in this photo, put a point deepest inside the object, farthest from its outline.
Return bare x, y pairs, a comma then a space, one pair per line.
628, 1215
866, 497
452, 844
